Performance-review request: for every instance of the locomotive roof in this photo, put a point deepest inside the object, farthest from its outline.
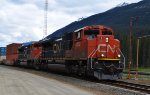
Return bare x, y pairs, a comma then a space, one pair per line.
46, 40
27, 44
94, 27
52, 37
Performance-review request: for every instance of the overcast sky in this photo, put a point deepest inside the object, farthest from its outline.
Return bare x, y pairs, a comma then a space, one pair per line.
23, 20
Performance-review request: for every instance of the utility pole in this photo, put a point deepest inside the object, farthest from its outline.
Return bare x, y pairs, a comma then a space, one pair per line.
130, 49
130, 46
45, 18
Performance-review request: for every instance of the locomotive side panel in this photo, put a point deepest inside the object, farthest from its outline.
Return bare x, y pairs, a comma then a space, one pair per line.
36, 52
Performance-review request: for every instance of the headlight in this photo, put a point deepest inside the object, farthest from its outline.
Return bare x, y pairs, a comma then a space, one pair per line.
119, 55
102, 55
107, 39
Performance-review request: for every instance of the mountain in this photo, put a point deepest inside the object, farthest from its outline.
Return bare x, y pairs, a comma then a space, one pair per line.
118, 18
122, 4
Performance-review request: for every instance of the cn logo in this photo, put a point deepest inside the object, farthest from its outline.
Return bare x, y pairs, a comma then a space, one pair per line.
107, 48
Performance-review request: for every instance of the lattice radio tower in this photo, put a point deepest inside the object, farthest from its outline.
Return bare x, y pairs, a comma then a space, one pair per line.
45, 18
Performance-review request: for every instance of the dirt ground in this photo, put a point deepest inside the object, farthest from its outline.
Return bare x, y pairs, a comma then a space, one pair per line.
15, 82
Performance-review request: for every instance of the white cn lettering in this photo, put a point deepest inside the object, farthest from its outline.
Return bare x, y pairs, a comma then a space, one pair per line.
108, 48
99, 47
111, 48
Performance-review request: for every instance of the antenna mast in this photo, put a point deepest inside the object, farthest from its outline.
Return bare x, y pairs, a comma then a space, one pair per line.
45, 18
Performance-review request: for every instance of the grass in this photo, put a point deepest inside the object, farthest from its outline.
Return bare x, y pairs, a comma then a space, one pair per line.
139, 69
141, 77
144, 69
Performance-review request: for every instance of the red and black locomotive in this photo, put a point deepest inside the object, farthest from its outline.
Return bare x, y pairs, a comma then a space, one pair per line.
91, 50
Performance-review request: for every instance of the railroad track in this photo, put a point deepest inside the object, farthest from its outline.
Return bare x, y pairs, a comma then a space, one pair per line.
130, 86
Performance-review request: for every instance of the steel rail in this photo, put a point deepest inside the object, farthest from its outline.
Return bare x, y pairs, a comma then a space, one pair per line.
130, 86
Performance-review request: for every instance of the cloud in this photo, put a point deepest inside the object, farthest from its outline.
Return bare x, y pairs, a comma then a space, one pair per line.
18, 22
23, 20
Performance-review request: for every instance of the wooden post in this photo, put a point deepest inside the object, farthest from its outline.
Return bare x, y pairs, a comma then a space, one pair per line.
130, 49
137, 59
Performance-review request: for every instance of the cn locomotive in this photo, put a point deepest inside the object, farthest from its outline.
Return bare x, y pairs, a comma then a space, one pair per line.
89, 51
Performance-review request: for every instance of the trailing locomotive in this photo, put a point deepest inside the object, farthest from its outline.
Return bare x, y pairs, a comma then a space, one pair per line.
89, 51
29, 55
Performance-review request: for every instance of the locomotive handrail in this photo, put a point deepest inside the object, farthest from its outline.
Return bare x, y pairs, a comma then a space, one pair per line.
124, 59
95, 50
90, 55
38, 54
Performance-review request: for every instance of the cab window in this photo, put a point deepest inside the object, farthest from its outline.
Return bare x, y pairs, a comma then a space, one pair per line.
107, 33
90, 34
78, 35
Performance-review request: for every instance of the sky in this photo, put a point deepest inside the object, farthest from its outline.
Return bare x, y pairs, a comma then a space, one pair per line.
23, 20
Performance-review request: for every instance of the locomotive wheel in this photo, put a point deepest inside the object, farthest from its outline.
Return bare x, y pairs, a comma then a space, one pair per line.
44, 67
36, 65
69, 69
119, 76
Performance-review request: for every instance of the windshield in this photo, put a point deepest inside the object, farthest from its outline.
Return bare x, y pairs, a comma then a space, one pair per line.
91, 33
106, 33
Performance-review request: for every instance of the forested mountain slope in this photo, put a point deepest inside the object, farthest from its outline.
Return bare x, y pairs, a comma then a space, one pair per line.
119, 18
